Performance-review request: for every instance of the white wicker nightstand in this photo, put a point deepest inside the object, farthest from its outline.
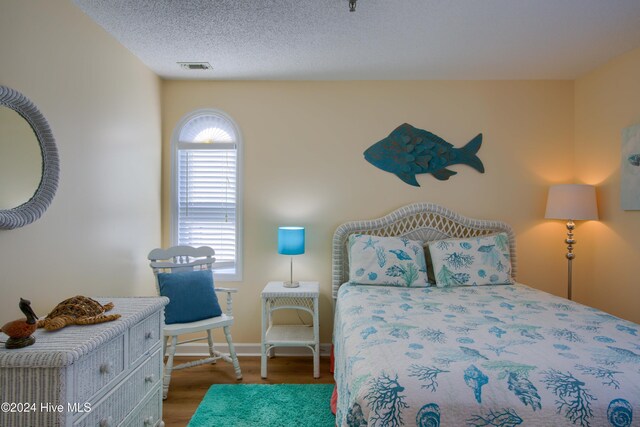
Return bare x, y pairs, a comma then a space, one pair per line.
276, 297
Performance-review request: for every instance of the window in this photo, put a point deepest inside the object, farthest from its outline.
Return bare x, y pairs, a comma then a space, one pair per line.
206, 202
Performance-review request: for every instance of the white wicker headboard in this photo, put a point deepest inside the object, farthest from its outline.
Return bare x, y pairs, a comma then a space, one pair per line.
419, 221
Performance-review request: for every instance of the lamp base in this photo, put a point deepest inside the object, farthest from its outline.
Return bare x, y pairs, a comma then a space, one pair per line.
291, 284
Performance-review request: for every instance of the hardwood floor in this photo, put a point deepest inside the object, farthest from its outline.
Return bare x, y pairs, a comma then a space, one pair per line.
188, 386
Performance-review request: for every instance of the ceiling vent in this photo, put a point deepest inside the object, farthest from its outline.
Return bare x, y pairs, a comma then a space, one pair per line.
195, 65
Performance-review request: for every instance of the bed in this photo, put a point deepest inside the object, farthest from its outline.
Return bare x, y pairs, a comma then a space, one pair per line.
494, 355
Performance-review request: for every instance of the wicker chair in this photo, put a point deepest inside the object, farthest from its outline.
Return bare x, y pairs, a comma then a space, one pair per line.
185, 258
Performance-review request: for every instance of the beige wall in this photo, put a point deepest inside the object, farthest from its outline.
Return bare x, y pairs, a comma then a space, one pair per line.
607, 100
303, 165
103, 106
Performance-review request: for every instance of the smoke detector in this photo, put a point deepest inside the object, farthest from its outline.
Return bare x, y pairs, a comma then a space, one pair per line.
195, 65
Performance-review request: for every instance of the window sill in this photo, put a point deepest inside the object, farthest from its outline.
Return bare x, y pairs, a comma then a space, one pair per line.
227, 275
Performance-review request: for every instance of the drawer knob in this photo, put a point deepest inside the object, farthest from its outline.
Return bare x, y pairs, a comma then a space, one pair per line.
148, 421
106, 368
148, 335
149, 378
106, 422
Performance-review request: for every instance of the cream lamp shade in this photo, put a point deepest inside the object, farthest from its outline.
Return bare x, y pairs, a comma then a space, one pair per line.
572, 201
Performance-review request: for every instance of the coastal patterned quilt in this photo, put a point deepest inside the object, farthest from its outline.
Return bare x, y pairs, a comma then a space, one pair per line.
481, 356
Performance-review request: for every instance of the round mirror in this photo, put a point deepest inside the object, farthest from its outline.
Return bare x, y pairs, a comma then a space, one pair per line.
20, 160
29, 164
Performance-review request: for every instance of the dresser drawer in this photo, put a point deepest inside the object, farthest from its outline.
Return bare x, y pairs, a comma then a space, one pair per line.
149, 413
99, 368
148, 375
144, 335
119, 402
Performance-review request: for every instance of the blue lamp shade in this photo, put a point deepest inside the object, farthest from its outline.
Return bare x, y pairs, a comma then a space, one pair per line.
291, 240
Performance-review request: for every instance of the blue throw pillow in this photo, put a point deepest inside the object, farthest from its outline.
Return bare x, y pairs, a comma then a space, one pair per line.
191, 296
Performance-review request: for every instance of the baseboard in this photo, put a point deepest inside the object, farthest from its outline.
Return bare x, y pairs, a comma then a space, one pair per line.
247, 349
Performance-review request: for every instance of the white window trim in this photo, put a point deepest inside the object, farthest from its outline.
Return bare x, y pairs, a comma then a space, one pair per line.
175, 144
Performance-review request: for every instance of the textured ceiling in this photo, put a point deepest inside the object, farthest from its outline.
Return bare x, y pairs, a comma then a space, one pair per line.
383, 39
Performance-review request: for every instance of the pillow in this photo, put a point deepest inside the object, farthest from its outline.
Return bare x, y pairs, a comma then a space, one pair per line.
471, 262
191, 296
376, 260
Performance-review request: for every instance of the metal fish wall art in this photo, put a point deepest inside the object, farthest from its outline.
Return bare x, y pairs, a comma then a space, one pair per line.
409, 151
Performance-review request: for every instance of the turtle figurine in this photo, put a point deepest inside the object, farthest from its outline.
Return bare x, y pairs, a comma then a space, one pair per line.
78, 310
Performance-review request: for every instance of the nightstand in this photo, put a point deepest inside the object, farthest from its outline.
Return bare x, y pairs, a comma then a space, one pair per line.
276, 297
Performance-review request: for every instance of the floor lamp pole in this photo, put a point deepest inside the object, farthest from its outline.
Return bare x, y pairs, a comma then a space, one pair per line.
570, 255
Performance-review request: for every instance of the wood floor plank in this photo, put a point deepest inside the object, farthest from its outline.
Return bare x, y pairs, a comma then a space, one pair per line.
188, 386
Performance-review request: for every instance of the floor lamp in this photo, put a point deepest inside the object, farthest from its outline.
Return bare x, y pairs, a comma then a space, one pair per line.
571, 202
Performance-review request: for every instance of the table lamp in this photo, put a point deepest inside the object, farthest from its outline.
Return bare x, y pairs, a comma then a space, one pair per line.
291, 242
571, 202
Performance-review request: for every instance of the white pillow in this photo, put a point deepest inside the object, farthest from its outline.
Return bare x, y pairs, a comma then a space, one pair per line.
395, 261
471, 262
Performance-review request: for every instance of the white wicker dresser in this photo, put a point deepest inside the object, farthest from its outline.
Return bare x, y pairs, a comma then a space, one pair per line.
109, 374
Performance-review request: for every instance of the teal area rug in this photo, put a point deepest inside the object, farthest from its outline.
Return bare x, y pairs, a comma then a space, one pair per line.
252, 405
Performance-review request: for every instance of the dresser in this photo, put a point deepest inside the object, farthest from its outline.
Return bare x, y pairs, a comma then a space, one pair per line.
104, 375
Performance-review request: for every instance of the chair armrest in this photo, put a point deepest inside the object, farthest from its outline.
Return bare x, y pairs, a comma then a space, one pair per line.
229, 305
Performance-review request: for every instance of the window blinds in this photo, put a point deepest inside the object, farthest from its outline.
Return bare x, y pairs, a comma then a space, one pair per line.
206, 199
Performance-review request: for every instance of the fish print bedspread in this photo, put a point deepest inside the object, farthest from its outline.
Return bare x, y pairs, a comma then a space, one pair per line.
481, 356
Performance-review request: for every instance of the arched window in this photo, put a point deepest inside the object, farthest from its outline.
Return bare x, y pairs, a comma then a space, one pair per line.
206, 200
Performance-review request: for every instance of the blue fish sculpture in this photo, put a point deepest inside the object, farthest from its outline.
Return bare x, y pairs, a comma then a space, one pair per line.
409, 151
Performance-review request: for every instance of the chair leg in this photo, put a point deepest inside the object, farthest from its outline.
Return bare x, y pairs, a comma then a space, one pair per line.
212, 349
168, 367
232, 352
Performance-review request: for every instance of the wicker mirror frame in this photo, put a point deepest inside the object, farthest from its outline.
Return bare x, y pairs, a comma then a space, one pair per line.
32, 209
